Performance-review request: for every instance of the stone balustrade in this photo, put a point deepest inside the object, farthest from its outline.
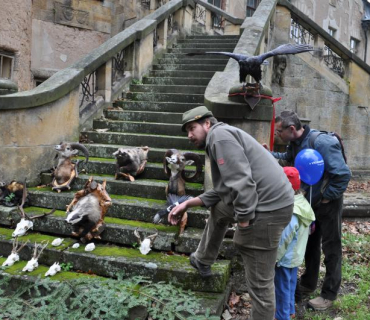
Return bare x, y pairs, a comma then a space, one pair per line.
33, 121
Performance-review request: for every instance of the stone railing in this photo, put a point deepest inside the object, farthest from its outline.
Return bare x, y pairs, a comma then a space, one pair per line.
33, 121
213, 18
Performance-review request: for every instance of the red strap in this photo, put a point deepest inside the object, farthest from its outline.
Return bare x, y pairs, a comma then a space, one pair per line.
272, 127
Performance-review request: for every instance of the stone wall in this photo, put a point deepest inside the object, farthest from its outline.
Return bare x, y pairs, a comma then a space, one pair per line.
343, 15
15, 37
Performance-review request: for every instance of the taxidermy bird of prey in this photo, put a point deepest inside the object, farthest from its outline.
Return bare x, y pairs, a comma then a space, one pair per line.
251, 65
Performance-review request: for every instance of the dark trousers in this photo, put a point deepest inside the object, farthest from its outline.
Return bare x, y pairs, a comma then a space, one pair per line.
285, 283
328, 232
257, 244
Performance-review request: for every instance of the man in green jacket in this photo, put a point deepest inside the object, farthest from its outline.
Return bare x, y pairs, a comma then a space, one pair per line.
250, 188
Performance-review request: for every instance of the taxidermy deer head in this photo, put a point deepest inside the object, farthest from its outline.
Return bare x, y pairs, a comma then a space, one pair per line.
146, 244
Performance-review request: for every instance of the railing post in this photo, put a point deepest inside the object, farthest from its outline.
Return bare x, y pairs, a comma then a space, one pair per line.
162, 32
319, 42
208, 23
282, 25
231, 29
143, 54
104, 81
188, 19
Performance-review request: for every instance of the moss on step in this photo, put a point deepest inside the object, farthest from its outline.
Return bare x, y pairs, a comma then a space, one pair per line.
16, 269
132, 223
6, 234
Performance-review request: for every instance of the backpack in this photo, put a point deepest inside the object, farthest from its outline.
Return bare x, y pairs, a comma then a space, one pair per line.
335, 135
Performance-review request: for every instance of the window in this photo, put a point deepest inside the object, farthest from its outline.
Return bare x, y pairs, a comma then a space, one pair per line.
332, 32
354, 45
6, 65
252, 6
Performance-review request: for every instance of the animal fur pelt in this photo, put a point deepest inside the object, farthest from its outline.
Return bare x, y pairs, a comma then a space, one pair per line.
130, 162
89, 207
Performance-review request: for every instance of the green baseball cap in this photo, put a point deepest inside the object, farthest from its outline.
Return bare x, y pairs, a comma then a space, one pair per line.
195, 114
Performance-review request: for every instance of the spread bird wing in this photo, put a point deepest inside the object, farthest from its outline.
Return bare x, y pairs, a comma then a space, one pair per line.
285, 49
237, 57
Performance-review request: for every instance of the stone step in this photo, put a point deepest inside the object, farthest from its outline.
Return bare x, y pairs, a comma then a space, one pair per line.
212, 301
162, 88
152, 170
180, 107
137, 140
182, 73
165, 97
215, 41
213, 37
170, 129
108, 261
121, 231
145, 188
208, 46
199, 49
176, 81
197, 67
123, 207
147, 116
154, 155
179, 56
190, 60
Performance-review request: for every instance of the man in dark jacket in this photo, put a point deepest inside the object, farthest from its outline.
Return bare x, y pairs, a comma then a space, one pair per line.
249, 187
327, 203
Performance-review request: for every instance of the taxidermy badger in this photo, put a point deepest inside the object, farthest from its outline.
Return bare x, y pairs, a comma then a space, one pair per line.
174, 164
130, 162
89, 207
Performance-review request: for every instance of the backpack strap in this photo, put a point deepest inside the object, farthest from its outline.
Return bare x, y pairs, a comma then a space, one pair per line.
313, 137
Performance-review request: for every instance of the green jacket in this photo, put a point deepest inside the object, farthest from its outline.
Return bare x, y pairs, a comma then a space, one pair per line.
293, 241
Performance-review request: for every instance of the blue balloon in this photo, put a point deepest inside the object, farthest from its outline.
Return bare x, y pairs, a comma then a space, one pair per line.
310, 165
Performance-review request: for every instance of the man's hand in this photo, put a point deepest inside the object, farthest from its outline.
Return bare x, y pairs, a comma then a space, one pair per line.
325, 201
176, 213
243, 224
265, 146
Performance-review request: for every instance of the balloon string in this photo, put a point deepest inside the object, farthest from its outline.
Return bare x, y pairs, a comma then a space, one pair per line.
311, 195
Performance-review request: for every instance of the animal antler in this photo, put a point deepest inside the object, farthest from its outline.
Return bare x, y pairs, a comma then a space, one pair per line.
20, 208
152, 237
35, 256
15, 248
198, 164
136, 233
42, 215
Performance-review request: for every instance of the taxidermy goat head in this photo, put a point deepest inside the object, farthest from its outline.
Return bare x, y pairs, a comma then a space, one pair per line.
14, 256
66, 170
130, 162
174, 164
53, 270
87, 210
147, 243
33, 263
26, 222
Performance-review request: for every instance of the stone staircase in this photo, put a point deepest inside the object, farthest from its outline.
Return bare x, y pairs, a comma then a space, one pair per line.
150, 115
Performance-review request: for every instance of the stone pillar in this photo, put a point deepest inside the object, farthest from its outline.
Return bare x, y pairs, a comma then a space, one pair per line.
162, 32
104, 80
319, 42
152, 5
178, 20
231, 29
188, 19
143, 55
282, 25
208, 21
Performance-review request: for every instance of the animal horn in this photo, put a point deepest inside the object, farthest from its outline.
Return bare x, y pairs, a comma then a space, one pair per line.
81, 147
136, 233
42, 215
198, 167
24, 196
168, 153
